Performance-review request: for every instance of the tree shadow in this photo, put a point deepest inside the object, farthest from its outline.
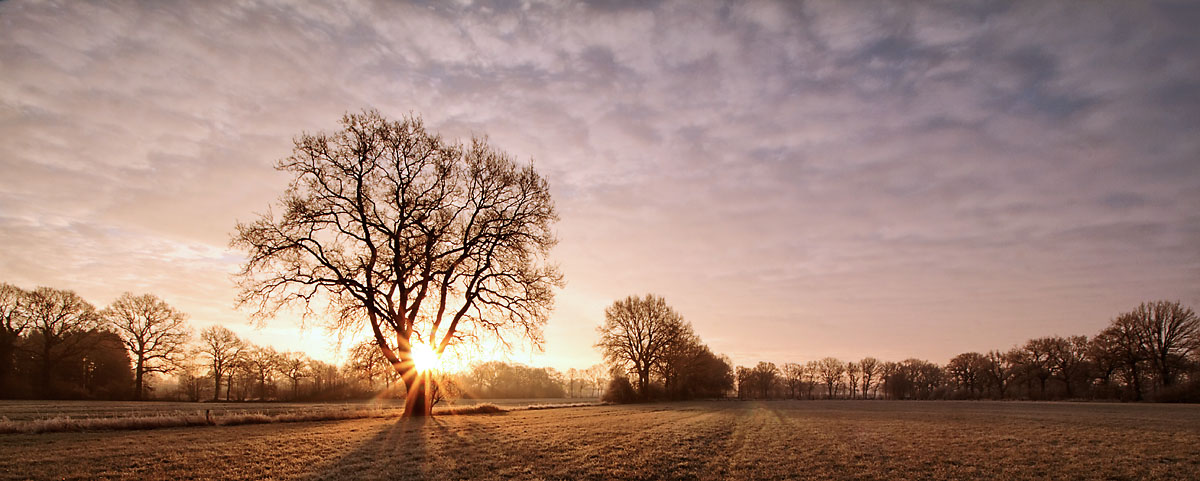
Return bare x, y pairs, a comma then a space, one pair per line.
397, 451
429, 448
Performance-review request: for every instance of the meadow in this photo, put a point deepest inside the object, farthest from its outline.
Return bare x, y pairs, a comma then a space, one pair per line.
694, 440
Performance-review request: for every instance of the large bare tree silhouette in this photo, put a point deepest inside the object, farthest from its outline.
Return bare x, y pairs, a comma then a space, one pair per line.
418, 239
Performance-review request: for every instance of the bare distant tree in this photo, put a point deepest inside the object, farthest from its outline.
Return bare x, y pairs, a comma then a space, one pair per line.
1037, 361
793, 376
969, 370
417, 238
14, 321
597, 378
56, 316
1068, 359
870, 368
153, 331
637, 333
831, 371
811, 370
852, 374
1168, 332
294, 366
223, 350
1123, 340
765, 376
262, 363
1002, 368
366, 359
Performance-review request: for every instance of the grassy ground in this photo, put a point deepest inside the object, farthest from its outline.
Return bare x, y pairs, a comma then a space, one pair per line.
29, 410
711, 440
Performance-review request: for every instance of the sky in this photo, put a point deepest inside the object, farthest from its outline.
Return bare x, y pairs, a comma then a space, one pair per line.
797, 179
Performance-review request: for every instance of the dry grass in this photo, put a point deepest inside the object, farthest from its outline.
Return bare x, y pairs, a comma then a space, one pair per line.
155, 419
714, 440
181, 419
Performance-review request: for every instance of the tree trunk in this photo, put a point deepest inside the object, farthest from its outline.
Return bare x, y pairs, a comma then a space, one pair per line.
216, 386
418, 396
7, 362
137, 379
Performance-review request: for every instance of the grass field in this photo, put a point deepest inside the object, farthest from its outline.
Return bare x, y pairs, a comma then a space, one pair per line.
702, 440
29, 410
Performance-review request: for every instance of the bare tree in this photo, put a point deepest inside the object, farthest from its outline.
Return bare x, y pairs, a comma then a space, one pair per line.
597, 378
14, 321
1002, 368
153, 331
56, 316
1169, 332
1068, 359
852, 374
637, 332
811, 370
223, 350
1037, 361
419, 239
831, 370
869, 367
969, 370
793, 376
765, 376
294, 366
262, 363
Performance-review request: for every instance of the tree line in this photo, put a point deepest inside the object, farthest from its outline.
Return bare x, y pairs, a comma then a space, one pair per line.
1149, 353
56, 345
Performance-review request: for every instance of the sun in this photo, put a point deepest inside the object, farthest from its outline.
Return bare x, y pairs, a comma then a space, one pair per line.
423, 357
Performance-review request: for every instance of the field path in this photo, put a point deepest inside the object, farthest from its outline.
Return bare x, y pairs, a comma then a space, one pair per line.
773, 440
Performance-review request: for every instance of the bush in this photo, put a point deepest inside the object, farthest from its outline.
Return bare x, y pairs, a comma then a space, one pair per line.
619, 391
1188, 392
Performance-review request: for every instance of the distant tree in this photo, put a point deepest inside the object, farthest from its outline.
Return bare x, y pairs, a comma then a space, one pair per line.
419, 239
1068, 360
765, 377
636, 334
1037, 361
14, 322
1002, 368
155, 333
189, 377
1169, 333
294, 366
793, 376
500, 380
870, 368
969, 371
368, 362
223, 349
853, 372
811, 371
261, 364
596, 378
58, 320
1122, 339
831, 371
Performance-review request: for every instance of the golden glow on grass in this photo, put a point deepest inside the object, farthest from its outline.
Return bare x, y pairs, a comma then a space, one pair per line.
424, 359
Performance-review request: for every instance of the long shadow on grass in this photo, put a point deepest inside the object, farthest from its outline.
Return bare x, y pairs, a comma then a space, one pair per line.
427, 448
397, 451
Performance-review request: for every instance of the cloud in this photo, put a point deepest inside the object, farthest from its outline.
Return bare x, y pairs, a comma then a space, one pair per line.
800, 180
